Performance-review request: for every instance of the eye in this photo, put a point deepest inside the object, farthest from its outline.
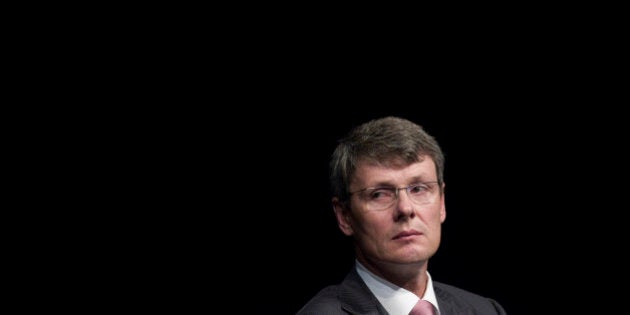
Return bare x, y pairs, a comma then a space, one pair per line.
380, 194
418, 189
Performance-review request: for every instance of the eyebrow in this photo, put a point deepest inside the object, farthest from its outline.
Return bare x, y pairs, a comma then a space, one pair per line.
413, 180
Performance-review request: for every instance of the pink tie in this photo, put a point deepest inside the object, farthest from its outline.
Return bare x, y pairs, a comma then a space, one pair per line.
422, 308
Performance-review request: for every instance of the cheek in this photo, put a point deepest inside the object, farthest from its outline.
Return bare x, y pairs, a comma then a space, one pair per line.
373, 223
434, 216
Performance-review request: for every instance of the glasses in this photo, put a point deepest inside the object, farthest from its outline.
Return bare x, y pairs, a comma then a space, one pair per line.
381, 198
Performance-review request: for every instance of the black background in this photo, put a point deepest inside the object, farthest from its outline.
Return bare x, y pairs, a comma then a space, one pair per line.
204, 162
230, 171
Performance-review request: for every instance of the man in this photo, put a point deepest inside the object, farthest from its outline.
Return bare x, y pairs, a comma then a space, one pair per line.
387, 180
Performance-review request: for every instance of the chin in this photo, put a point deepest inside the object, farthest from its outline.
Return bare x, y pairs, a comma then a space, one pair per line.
415, 256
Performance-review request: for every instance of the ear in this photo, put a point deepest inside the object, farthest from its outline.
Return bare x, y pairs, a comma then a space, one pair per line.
442, 206
342, 213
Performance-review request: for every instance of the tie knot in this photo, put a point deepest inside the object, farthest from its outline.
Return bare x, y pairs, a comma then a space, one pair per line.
422, 308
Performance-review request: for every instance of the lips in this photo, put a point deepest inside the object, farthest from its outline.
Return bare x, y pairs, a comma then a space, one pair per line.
405, 234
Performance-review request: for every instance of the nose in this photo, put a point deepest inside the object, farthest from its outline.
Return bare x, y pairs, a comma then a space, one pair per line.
404, 206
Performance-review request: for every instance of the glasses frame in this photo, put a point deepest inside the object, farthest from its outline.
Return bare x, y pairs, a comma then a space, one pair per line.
396, 190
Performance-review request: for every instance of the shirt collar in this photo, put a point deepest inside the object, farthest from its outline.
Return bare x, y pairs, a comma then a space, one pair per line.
395, 300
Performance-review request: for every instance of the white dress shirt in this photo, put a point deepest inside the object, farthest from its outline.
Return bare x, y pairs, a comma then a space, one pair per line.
395, 300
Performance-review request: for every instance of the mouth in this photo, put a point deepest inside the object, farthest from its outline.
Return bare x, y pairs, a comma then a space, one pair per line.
407, 235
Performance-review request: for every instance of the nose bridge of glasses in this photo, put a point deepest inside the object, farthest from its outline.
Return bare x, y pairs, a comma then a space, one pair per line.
406, 189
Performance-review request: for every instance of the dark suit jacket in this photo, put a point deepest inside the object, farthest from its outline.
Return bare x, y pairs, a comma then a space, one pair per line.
352, 296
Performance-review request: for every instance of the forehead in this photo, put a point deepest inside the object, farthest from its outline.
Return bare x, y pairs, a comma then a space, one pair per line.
369, 173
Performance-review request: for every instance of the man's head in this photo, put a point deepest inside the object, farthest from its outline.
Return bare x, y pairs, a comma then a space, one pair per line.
387, 184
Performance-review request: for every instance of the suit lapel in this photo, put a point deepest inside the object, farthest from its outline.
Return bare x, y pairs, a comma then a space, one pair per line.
356, 297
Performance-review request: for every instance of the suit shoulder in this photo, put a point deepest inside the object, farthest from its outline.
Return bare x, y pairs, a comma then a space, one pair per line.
464, 299
326, 301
